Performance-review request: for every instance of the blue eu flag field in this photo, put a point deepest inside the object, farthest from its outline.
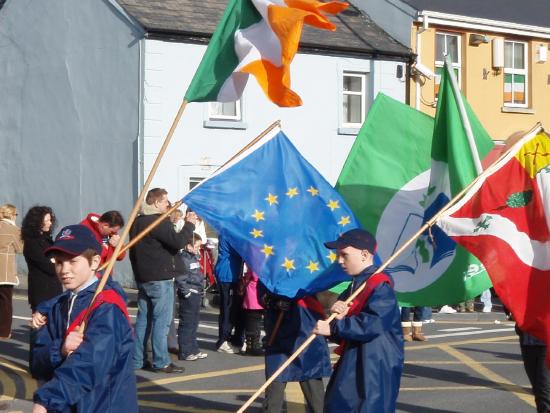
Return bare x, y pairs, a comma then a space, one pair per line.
276, 210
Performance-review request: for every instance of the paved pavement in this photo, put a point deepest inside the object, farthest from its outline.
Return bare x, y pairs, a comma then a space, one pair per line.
471, 363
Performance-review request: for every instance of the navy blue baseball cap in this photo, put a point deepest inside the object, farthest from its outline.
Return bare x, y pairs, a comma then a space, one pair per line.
356, 238
74, 240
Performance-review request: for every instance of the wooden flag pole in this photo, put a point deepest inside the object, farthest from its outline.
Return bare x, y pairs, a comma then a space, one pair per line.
428, 224
134, 213
143, 233
155, 223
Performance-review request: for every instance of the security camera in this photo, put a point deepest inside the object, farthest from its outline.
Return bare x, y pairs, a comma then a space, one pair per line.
419, 69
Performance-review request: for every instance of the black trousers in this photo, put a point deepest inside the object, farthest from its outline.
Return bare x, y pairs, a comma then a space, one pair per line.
231, 315
314, 393
6, 310
534, 360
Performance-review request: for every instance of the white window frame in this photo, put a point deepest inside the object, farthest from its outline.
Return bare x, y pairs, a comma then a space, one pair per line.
440, 63
511, 71
363, 75
212, 116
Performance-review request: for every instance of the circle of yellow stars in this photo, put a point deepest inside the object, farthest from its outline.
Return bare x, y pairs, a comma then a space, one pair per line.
269, 250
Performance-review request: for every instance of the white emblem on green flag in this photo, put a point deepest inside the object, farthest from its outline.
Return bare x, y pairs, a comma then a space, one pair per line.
401, 170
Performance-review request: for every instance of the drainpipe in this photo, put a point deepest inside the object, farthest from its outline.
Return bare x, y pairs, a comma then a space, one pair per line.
418, 56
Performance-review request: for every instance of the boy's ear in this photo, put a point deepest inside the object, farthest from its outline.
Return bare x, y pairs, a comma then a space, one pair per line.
96, 259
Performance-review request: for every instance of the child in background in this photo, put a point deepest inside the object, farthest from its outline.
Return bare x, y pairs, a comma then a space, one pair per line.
253, 313
190, 288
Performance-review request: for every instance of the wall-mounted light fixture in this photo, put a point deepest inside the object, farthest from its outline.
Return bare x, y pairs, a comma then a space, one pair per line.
542, 53
477, 39
498, 54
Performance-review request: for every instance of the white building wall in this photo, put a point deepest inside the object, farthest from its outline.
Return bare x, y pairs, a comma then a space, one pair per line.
196, 151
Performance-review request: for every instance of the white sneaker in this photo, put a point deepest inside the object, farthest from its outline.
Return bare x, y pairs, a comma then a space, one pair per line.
447, 310
191, 357
431, 320
200, 355
226, 348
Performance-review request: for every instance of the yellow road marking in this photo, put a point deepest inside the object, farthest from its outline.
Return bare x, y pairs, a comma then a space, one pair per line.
467, 388
177, 407
462, 342
444, 362
295, 398
500, 381
187, 392
30, 383
179, 379
8, 386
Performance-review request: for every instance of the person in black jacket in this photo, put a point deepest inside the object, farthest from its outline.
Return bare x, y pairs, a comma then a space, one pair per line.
153, 261
43, 284
36, 233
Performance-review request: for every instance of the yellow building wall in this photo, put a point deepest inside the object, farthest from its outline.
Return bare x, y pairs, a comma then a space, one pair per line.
483, 87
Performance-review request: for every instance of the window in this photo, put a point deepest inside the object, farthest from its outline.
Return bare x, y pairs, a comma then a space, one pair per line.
225, 111
446, 44
515, 74
354, 99
194, 181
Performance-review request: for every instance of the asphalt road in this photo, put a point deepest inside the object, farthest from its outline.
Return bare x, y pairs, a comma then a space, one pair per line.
470, 364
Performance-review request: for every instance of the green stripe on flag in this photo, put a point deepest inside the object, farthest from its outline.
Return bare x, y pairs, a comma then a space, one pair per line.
220, 59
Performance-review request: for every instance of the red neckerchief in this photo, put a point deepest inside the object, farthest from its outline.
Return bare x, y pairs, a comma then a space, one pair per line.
106, 296
359, 302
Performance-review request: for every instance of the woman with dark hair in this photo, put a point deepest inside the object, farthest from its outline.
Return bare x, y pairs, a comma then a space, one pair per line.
36, 233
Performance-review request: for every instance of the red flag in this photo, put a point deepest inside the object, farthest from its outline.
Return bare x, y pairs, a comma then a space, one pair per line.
504, 221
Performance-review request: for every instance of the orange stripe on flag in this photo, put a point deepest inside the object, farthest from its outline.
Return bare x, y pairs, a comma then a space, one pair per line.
275, 82
287, 24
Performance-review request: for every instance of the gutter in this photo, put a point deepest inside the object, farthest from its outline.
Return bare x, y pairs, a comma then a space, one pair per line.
203, 39
485, 25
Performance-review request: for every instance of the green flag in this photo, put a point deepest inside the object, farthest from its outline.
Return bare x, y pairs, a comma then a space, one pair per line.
394, 185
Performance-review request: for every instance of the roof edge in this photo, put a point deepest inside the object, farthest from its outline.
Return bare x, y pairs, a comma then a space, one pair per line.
203, 39
496, 26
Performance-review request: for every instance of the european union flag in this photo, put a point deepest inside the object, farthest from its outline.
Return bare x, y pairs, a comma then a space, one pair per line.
276, 210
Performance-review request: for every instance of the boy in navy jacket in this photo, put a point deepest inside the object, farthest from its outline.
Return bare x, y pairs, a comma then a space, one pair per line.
90, 372
190, 288
366, 379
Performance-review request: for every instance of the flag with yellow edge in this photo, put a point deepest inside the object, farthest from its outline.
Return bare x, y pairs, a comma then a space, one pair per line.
276, 210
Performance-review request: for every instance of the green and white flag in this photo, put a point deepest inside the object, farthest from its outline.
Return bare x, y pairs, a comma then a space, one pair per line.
393, 184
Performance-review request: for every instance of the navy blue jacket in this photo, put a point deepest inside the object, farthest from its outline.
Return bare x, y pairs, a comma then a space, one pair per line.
229, 264
368, 374
99, 375
296, 327
192, 280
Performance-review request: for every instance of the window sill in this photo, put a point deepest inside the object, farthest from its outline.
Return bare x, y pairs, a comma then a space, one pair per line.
510, 109
348, 131
224, 124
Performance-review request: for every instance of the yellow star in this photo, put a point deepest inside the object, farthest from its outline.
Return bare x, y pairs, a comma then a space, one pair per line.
267, 250
313, 191
312, 266
333, 205
288, 264
332, 256
292, 192
257, 233
344, 221
258, 215
272, 199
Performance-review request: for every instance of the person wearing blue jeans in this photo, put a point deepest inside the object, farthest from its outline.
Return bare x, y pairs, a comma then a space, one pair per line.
153, 263
155, 307
415, 325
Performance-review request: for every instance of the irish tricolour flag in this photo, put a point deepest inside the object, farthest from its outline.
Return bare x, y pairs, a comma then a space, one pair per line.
401, 170
259, 38
504, 219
